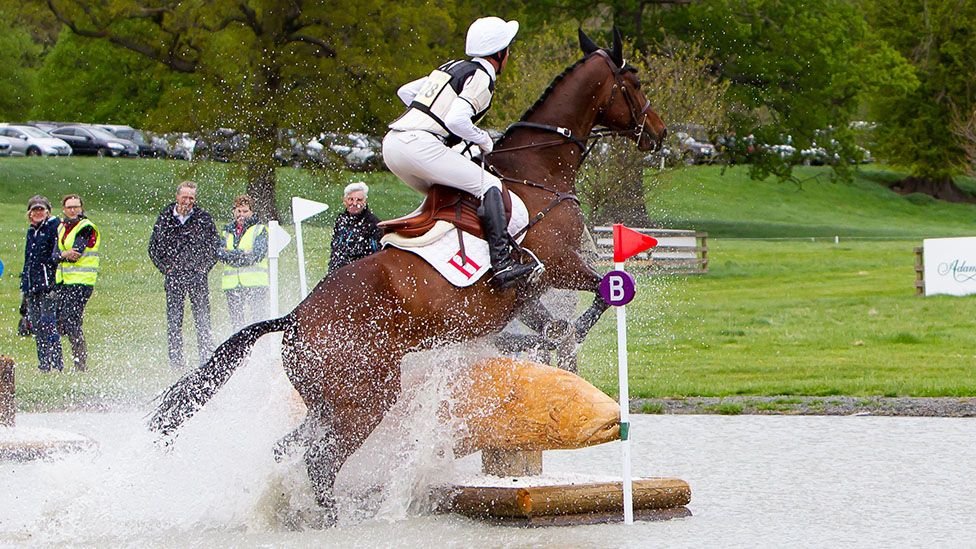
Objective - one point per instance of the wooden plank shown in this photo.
(572, 499)
(589, 518)
(8, 406)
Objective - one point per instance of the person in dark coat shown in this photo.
(356, 233)
(183, 246)
(37, 282)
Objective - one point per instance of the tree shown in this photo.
(799, 69)
(262, 66)
(678, 82)
(19, 58)
(82, 79)
(915, 129)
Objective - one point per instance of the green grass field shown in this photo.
(771, 317)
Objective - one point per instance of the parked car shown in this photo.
(694, 151)
(4, 146)
(48, 125)
(222, 145)
(146, 147)
(359, 151)
(30, 141)
(95, 141)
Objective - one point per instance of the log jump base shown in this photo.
(567, 504)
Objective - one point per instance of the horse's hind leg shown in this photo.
(321, 458)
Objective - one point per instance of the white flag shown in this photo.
(278, 239)
(302, 209)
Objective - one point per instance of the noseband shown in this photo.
(638, 117)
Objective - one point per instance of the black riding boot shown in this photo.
(492, 215)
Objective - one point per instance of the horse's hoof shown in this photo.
(556, 330)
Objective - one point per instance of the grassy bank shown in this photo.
(772, 317)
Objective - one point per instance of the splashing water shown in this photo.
(220, 475)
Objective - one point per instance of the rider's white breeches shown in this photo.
(422, 160)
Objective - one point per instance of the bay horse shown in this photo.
(342, 345)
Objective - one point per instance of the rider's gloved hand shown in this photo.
(486, 144)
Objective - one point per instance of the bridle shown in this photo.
(637, 116)
(585, 143)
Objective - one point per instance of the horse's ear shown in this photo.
(586, 44)
(617, 54)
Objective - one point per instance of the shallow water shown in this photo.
(756, 480)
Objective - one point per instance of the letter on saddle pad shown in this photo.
(460, 256)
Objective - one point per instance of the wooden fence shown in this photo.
(677, 251)
(919, 271)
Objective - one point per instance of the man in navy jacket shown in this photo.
(183, 246)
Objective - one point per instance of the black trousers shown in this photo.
(42, 310)
(254, 299)
(178, 288)
(72, 299)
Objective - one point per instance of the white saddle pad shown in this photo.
(440, 247)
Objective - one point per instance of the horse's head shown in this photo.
(626, 109)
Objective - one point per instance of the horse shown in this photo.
(342, 345)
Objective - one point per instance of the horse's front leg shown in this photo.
(577, 274)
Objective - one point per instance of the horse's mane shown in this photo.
(542, 98)
(552, 85)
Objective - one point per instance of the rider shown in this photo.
(443, 108)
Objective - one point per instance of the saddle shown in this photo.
(444, 204)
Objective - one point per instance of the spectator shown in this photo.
(245, 254)
(356, 232)
(78, 243)
(183, 246)
(37, 281)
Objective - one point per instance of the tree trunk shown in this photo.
(261, 183)
(942, 189)
(622, 202)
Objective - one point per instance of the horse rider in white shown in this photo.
(443, 109)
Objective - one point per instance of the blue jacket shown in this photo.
(41, 257)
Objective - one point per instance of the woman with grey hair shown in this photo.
(356, 233)
(37, 282)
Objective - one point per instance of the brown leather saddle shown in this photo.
(444, 204)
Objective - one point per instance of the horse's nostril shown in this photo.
(664, 133)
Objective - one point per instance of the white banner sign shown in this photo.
(949, 265)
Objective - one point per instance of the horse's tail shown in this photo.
(178, 403)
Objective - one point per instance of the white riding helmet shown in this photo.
(489, 35)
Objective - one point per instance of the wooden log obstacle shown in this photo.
(21, 443)
(512, 411)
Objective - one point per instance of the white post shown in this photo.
(624, 408)
(278, 238)
(302, 283)
(301, 210)
(273, 286)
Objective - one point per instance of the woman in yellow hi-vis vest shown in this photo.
(245, 254)
(78, 243)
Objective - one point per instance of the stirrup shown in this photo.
(537, 270)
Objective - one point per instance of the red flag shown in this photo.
(628, 242)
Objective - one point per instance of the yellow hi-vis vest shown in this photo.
(252, 275)
(85, 270)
